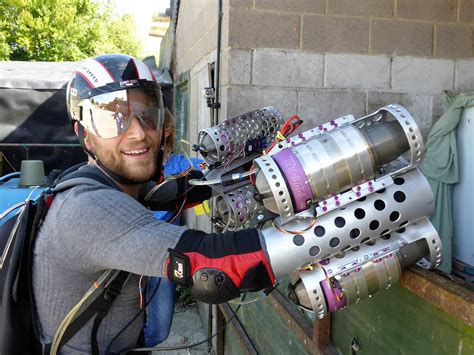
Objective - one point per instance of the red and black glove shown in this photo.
(217, 267)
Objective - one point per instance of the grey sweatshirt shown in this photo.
(88, 230)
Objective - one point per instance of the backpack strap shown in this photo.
(98, 308)
(89, 175)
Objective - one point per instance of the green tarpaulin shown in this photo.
(441, 168)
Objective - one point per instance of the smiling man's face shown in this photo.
(132, 154)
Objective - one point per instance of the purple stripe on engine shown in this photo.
(295, 177)
(329, 293)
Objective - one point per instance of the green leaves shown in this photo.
(63, 30)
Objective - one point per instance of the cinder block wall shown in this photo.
(322, 59)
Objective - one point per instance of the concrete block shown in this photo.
(236, 66)
(422, 75)
(335, 34)
(183, 65)
(203, 47)
(287, 69)
(225, 30)
(210, 15)
(223, 99)
(428, 10)
(242, 99)
(320, 106)
(464, 75)
(454, 41)
(236, 3)
(194, 9)
(252, 29)
(466, 13)
(346, 71)
(419, 106)
(298, 6)
(401, 38)
(196, 31)
(211, 36)
(364, 8)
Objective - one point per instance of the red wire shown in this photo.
(288, 128)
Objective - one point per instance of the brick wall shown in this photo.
(319, 87)
(322, 59)
(196, 32)
(429, 28)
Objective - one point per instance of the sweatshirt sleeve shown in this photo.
(100, 228)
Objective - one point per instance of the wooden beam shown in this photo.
(243, 339)
(316, 338)
(444, 294)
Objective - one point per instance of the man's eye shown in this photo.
(146, 116)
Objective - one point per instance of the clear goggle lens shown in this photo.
(110, 114)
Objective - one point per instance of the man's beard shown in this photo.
(139, 173)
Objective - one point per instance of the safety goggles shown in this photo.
(110, 114)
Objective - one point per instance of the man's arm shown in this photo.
(101, 228)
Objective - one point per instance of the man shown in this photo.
(89, 229)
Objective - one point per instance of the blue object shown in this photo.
(179, 163)
(160, 310)
(11, 194)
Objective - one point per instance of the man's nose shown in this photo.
(136, 130)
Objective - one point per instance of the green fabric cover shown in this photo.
(440, 166)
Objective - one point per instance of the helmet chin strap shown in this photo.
(157, 176)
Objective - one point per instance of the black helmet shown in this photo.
(101, 86)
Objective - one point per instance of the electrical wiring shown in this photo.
(98, 284)
(261, 296)
(140, 291)
(179, 212)
(107, 351)
(189, 346)
(198, 182)
(288, 128)
(329, 283)
(233, 177)
(294, 232)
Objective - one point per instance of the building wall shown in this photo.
(322, 59)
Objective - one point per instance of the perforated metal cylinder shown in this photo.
(246, 134)
(318, 165)
(239, 206)
(351, 276)
(407, 200)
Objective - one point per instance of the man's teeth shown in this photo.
(135, 152)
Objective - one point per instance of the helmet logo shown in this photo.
(73, 92)
(89, 73)
(128, 83)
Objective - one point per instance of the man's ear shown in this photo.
(87, 140)
(168, 131)
(76, 128)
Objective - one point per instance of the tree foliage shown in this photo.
(63, 30)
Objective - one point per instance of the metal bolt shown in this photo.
(355, 345)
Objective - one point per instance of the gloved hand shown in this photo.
(217, 267)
